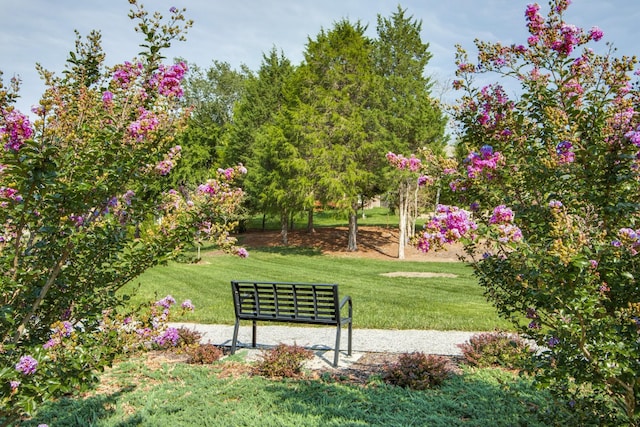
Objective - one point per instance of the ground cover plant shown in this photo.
(147, 393)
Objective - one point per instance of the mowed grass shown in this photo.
(379, 302)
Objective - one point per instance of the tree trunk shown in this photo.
(310, 228)
(353, 228)
(284, 227)
(402, 226)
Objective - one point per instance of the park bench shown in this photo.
(310, 303)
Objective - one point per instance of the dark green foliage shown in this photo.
(283, 361)
(496, 349)
(417, 371)
(205, 354)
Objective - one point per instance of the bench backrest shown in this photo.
(288, 302)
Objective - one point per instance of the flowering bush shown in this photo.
(84, 209)
(553, 182)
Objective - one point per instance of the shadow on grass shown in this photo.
(482, 398)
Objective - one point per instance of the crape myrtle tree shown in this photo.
(412, 120)
(339, 120)
(77, 220)
(551, 189)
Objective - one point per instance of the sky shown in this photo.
(241, 31)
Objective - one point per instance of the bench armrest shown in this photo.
(343, 302)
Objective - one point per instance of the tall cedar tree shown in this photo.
(339, 119)
(277, 179)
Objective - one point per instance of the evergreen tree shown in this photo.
(212, 94)
(339, 122)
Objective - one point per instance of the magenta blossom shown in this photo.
(16, 130)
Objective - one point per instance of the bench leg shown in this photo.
(337, 348)
(253, 332)
(235, 337)
(349, 338)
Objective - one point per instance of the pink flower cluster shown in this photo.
(493, 104)
(164, 166)
(16, 130)
(231, 173)
(9, 194)
(483, 162)
(168, 80)
(449, 225)
(502, 218)
(210, 187)
(127, 73)
(412, 164)
(146, 123)
(568, 36)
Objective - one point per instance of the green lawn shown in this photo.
(381, 217)
(177, 394)
(379, 302)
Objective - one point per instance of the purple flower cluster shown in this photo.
(188, 305)
(483, 162)
(210, 187)
(570, 38)
(449, 225)
(501, 214)
(628, 238)
(412, 164)
(564, 152)
(634, 136)
(424, 180)
(166, 302)
(16, 130)
(27, 365)
(59, 331)
(169, 337)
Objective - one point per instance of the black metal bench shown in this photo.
(311, 303)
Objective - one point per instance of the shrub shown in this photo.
(417, 371)
(188, 337)
(204, 354)
(496, 349)
(282, 361)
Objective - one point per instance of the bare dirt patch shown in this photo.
(425, 274)
(373, 242)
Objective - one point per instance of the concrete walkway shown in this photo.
(322, 340)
